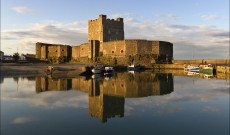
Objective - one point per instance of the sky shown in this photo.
(198, 29)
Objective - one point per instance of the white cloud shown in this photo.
(211, 109)
(210, 17)
(210, 38)
(169, 16)
(58, 33)
(207, 38)
(23, 10)
(24, 119)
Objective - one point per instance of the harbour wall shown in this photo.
(223, 69)
(203, 61)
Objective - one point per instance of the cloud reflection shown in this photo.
(24, 120)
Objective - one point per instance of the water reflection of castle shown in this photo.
(107, 97)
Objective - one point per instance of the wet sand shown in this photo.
(38, 69)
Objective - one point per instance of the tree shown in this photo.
(16, 56)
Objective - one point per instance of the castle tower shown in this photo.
(104, 30)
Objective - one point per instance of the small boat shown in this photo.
(96, 76)
(207, 69)
(192, 73)
(191, 68)
(208, 76)
(97, 69)
(209, 66)
(108, 70)
(133, 67)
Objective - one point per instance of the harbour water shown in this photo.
(125, 103)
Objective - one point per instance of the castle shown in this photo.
(106, 40)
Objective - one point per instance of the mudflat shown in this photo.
(9, 69)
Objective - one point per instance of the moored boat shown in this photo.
(209, 66)
(98, 69)
(190, 68)
(206, 69)
(208, 76)
(192, 73)
(133, 67)
(108, 70)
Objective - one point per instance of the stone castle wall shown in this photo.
(45, 51)
(113, 48)
(122, 48)
(84, 50)
(106, 39)
(75, 52)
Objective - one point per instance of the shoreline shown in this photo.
(73, 70)
(36, 69)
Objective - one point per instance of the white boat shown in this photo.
(108, 70)
(133, 67)
(96, 76)
(192, 73)
(207, 69)
(209, 66)
(96, 70)
(192, 68)
(208, 76)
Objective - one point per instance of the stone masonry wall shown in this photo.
(38, 50)
(155, 47)
(131, 47)
(45, 51)
(75, 52)
(144, 47)
(84, 50)
(166, 48)
(95, 29)
(53, 51)
(103, 29)
(114, 48)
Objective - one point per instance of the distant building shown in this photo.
(106, 39)
(30, 57)
(1, 56)
(22, 57)
(8, 57)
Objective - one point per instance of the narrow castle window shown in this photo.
(122, 51)
(112, 51)
(63, 50)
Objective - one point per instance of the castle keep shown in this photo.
(106, 42)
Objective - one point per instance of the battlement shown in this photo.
(104, 17)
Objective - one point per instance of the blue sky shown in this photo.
(197, 28)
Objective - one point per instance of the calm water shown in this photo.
(140, 103)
